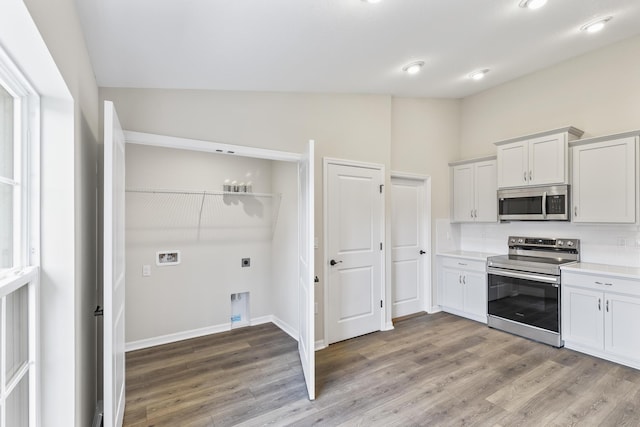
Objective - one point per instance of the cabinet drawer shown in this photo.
(464, 264)
(602, 283)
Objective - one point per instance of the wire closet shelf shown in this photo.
(201, 214)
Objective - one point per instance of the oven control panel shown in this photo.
(540, 242)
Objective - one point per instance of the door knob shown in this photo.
(334, 262)
(422, 252)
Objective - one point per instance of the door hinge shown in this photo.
(380, 303)
(380, 245)
(381, 185)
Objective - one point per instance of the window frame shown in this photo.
(26, 172)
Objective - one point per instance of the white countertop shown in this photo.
(478, 256)
(609, 270)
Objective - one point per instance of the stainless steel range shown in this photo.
(524, 287)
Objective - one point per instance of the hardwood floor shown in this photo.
(431, 370)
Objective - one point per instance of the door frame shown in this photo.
(427, 217)
(326, 161)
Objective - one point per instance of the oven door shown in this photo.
(528, 298)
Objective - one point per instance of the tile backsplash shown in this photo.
(604, 244)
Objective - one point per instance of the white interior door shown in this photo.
(354, 205)
(306, 338)
(114, 263)
(408, 245)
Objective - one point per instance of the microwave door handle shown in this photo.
(544, 204)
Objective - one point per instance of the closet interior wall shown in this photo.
(178, 205)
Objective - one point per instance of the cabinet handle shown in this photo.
(599, 304)
(471, 213)
(475, 213)
(461, 263)
(459, 278)
(575, 210)
(598, 283)
(525, 176)
(464, 282)
(607, 306)
(530, 176)
(608, 284)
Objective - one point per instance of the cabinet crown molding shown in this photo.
(572, 131)
(474, 160)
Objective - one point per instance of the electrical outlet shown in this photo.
(146, 270)
(246, 262)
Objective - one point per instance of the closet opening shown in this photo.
(214, 242)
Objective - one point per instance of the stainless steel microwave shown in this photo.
(545, 203)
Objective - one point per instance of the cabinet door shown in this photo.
(604, 183)
(582, 317)
(463, 193)
(475, 293)
(621, 320)
(452, 291)
(486, 198)
(548, 160)
(512, 165)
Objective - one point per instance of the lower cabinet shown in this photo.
(463, 287)
(600, 316)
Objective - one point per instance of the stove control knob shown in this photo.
(569, 243)
(520, 240)
(513, 240)
(560, 243)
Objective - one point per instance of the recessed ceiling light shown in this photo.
(595, 25)
(478, 75)
(413, 67)
(533, 4)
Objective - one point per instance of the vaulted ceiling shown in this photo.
(340, 46)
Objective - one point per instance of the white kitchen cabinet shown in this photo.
(538, 159)
(463, 287)
(604, 179)
(473, 190)
(600, 316)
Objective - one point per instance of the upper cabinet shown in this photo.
(538, 159)
(473, 190)
(604, 180)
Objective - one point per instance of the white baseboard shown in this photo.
(320, 345)
(290, 330)
(434, 309)
(175, 337)
(388, 326)
(200, 332)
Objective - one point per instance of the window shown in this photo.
(19, 237)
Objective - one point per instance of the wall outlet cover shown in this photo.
(246, 262)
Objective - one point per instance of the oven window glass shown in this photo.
(525, 301)
(521, 206)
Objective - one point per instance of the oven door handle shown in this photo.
(544, 205)
(552, 280)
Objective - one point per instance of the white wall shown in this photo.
(195, 294)
(598, 92)
(284, 248)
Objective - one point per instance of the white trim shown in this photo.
(409, 175)
(326, 161)
(208, 330)
(320, 345)
(165, 141)
(388, 326)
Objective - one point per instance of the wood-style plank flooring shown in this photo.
(432, 370)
